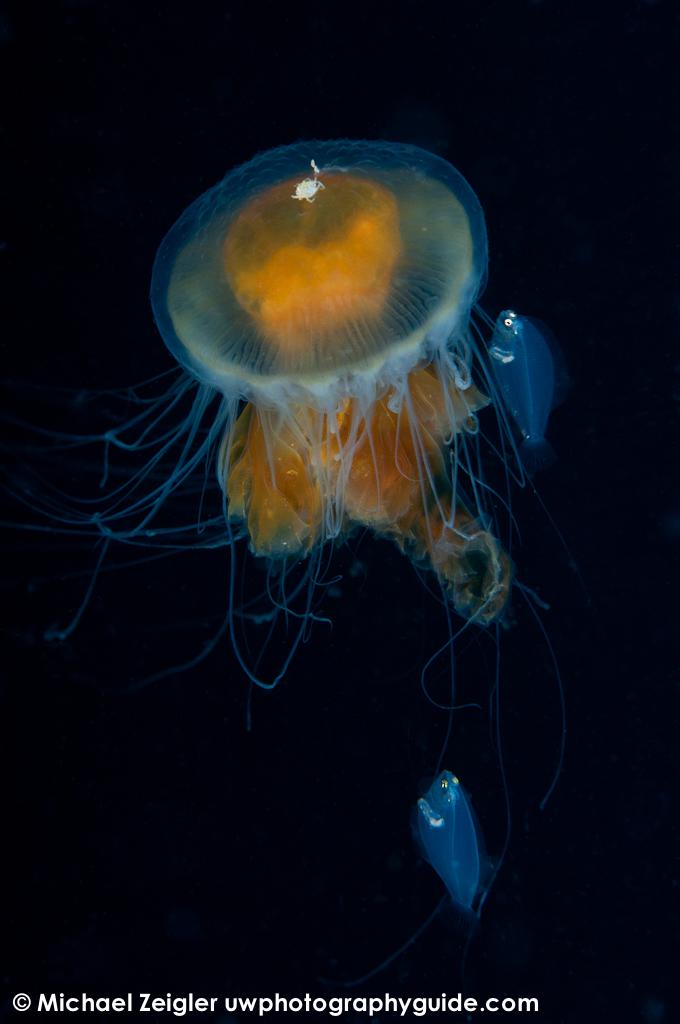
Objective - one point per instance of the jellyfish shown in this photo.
(335, 374)
(331, 312)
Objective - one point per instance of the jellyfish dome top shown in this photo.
(325, 290)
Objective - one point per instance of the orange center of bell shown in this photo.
(306, 271)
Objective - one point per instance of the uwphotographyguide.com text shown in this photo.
(262, 1006)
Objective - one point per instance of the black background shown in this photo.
(157, 844)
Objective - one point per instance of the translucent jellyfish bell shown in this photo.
(257, 288)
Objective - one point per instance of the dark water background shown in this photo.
(155, 843)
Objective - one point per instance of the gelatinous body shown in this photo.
(337, 330)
